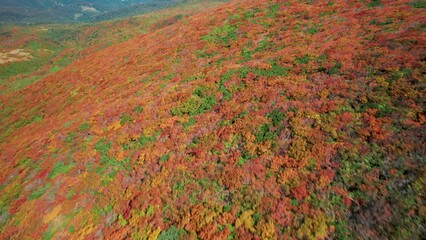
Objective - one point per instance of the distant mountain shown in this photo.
(64, 11)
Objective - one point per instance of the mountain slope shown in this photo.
(259, 119)
(49, 11)
(50, 47)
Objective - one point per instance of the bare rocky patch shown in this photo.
(15, 55)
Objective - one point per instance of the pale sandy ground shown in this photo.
(15, 55)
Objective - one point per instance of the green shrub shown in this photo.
(264, 133)
(70, 137)
(54, 69)
(273, 10)
(37, 193)
(227, 208)
(190, 122)
(172, 233)
(200, 102)
(222, 35)
(246, 54)
(374, 3)
(335, 69)
(419, 4)
(312, 30)
(121, 220)
(164, 158)
(138, 109)
(150, 210)
(274, 71)
(124, 118)
(263, 45)
(143, 140)
(303, 60)
(21, 83)
(276, 116)
(249, 14)
(24, 122)
(102, 146)
(60, 168)
(83, 127)
(48, 234)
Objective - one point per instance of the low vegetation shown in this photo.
(250, 120)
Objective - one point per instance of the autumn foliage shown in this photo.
(254, 120)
